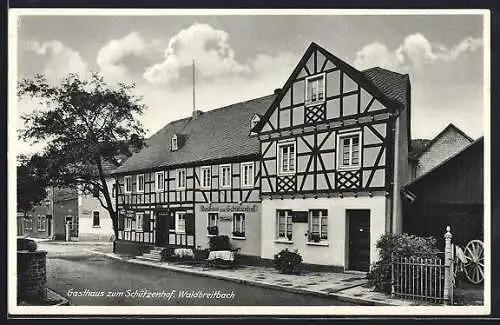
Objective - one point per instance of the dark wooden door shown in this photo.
(162, 221)
(359, 239)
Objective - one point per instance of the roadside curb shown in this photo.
(335, 295)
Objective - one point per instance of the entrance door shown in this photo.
(161, 235)
(359, 240)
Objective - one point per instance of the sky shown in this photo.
(247, 56)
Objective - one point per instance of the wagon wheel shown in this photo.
(474, 268)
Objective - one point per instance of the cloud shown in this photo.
(414, 53)
(61, 60)
(208, 46)
(111, 56)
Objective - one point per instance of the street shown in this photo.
(89, 279)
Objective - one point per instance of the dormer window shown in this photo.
(174, 145)
(254, 121)
(315, 89)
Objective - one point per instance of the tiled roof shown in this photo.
(224, 132)
(417, 145)
(213, 135)
(391, 84)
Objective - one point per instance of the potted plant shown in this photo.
(314, 238)
(213, 230)
(289, 236)
(238, 234)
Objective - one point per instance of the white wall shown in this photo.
(87, 204)
(335, 253)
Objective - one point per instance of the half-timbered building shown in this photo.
(318, 167)
(197, 177)
(334, 153)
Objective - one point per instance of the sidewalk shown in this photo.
(342, 286)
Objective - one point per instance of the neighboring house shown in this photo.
(450, 194)
(426, 154)
(94, 220)
(48, 219)
(318, 167)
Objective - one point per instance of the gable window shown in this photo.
(349, 145)
(247, 174)
(96, 222)
(140, 183)
(284, 225)
(128, 184)
(318, 225)
(206, 180)
(180, 179)
(174, 145)
(238, 225)
(225, 176)
(159, 181)
(315, 89)
(139, 218)
(286, 158)
(180, 221)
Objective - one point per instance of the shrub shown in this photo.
(25, 244)
(201, 254)
(220, 243)
(166, 253)
(288, 262)
(214, 230)
(397, 245)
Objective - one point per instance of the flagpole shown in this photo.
(194, 102)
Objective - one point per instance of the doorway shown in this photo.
(358, 240)
(161, 231)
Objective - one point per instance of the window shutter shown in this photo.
(121, 221)
(189, 223)
(145, 222)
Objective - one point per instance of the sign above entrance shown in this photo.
(300, 216)
(229, 207)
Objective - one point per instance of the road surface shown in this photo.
(89, 279)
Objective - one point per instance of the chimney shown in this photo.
(277, 91)
(196, 113)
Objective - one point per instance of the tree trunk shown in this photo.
(112, 213)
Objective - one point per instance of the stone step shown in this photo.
(156, 257)
(146, 258)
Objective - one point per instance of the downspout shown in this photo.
(394, 205)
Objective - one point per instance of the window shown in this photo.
(41, 223)
(95, 219)
(28, 223)
(286, 158)
(180, 222)
(284, 225)
(139, 217)
(113, 190)
(315, 89)
(180, 179)
(174, 143)
(246, 174)
(349, 150)
(213, 219)
(205, 177)
(128, 223)
(254, 121)
(318, 225)
(140, 183)
(239, 225)
(225, 176)
(159, 181)
(128, 184)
